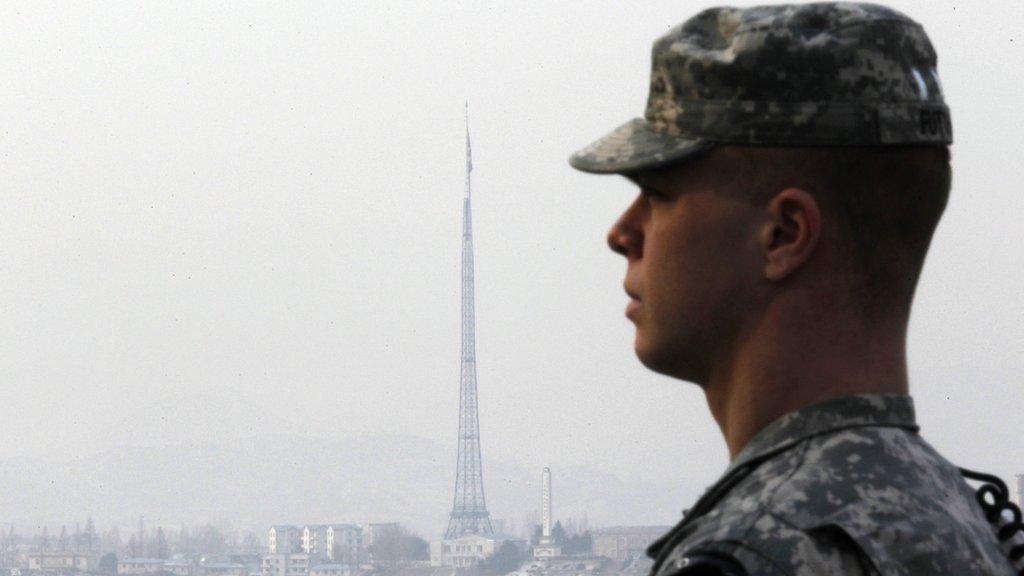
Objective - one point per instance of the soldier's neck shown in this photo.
(780, 367)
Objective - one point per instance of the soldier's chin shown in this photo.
(649, 354)
(666, 360)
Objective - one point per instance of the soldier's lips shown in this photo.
(632, 308)
(634, 301)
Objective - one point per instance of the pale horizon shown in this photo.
(245, 224)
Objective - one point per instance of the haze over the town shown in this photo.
(230, 252)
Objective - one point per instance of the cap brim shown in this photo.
(634, 146)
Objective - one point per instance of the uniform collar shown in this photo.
(892, 410)
(861, 410)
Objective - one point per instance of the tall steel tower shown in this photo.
(469, 512)
(545, 506)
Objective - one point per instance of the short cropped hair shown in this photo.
(887, 202)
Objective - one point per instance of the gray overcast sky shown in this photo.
(227, 221)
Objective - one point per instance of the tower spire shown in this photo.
(469, 152)
(469, 512)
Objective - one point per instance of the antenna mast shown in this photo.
(469, 512)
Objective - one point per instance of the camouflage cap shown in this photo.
(788, 75)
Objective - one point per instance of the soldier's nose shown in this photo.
(625, 236)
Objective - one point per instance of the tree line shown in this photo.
(158, 542)
(571, 543)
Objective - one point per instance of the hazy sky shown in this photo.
(223, 221)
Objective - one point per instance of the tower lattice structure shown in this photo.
(469, 512)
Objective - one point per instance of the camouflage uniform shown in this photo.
(847, 486)
(842, 487)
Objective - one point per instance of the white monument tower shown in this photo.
(546, 548)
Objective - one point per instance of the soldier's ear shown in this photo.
(790, 233)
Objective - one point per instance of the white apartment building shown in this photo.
(301, 550)
(285, 539)
(314, 539)
(344, 543)
(339, 543)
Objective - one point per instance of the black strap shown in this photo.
(661, 548)
(993, 487)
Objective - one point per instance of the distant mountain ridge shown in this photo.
(256, 482)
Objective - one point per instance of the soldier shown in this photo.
(793, 164)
